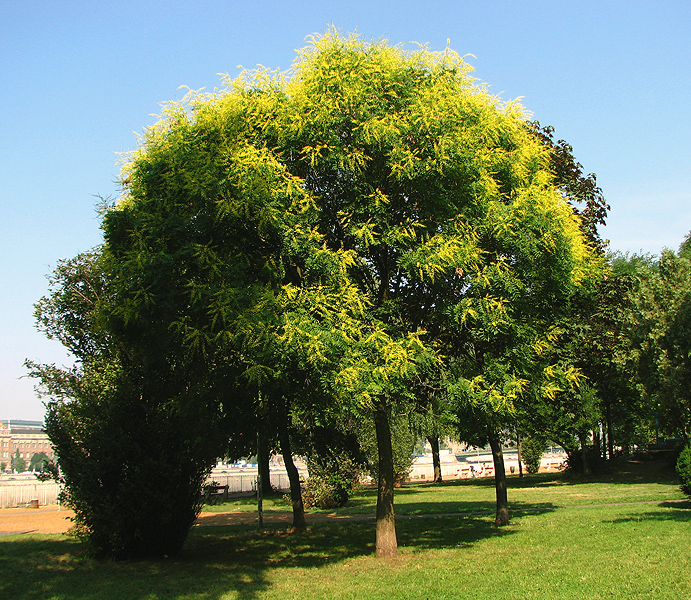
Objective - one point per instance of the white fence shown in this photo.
(247, 480)
(46, 492)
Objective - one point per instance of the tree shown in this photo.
(580, 190)
(18, 463)
(325, 238)
(38, 461)
(215, 259)
(659, 328)
(440, 191)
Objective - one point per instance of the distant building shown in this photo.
(24, 437)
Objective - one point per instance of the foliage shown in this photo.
(580, 190)
(334, 458)
(659, 329)
(532, 449)
(133, 447)
(684, 469)
(18, 463)
(331, 482)
(39, 461)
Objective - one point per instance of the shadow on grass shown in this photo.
(216, 560)
(673, 511)
(512, 481)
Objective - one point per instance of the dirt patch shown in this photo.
(46, 519)
(50, 519)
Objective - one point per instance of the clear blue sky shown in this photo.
(77, 79)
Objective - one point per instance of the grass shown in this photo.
(588, 540)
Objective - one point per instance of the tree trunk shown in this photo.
(263, 460)
(299, 523)
(502, 517)
(610, 436)
(587, 471)
(386, 543)
(520, 458)
(434, 442)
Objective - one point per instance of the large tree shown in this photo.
(333, 232)
(444, 195)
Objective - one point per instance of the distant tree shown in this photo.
(18, 463)
(659, 327)
(38, 461)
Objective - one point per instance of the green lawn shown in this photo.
(587, 540)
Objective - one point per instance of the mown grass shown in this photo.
(586, 541)
(544, 490)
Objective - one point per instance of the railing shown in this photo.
(247, 481)
(46, 492)
(13, 495)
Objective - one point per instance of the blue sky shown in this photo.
(78, 79)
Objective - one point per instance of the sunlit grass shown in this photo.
(585, 544)
(545, 490)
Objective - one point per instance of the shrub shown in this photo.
(132, 467)
(331, 483)
(532, 449)
(684, 470)
(574, 461)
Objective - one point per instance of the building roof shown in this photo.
(15, 424)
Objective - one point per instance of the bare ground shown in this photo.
(51, 519)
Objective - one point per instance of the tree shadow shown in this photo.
(56, 567)
(216, 560)
(674, 511)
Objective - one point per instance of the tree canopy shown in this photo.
(328, 235)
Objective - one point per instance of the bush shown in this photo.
(684, 470)
(331, 483)
(133, 468)
(532, 449)
(574, 461)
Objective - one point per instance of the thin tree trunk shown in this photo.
(610, 436)
(299, 523)
(386, 543)
(502, 517)
(587, 472)
(263, 460)
(434, 442)
(520, 458)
